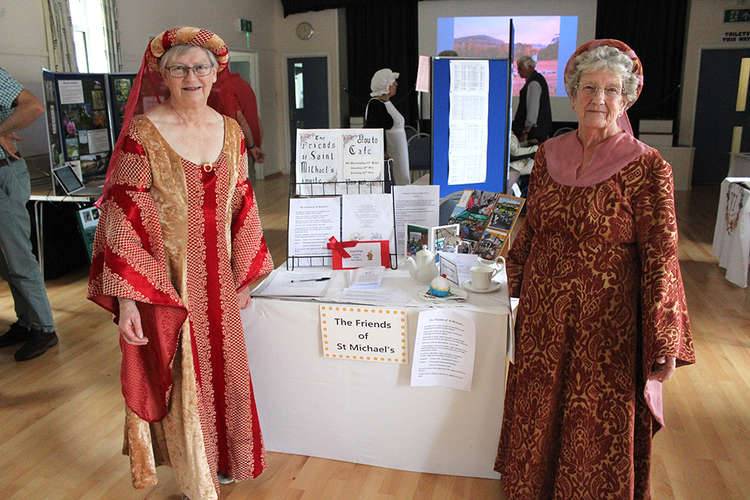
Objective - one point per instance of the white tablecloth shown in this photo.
(731, 243)
(366, 412)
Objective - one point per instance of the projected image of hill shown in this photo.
(550, 40)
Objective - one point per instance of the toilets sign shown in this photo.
(364, 333)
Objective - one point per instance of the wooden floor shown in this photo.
(61, 415)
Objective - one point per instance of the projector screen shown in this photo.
(550, 40)
(432, 13)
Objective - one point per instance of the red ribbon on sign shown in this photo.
(338, 247)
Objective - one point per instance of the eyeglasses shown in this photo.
(182, 71)
(591, 91)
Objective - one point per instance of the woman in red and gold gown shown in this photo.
(178, 242)
(602, 319)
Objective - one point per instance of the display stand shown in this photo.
(336, 189)
(84, 113)
(498, 123)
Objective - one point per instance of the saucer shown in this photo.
(494, 286)
(456, 294)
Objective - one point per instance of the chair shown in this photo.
(410, 132)
(562, 130)
(420, 162)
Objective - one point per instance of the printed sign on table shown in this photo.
(364, 333)
(337, 155)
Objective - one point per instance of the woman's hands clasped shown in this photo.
(130, 323)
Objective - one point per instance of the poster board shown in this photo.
(498, 122)
(78, 123)
(119, 85)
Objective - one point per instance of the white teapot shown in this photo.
(422, 266)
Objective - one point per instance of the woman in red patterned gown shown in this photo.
(602, 320)
(178, 242)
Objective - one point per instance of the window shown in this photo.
(89, 36)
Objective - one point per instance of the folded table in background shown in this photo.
(731, 243)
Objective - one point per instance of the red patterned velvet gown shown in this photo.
(180, 239)
(601, 297)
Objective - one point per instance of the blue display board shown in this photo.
(498, 126)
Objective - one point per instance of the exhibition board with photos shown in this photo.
(84, 113)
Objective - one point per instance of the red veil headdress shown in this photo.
(149, 89)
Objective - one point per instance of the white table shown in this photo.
(731, 243)
(366, 412)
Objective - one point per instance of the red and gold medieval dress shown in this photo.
(601, 297)
(180, 239)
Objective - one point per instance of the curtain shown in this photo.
(112, 28)
(383, 35)
(58, 28)
(656, 32)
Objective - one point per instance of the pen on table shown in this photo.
(311, 279)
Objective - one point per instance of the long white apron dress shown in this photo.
(396, 146)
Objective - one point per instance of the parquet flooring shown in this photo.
(61, 415)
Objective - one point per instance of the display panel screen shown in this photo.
(550, 40)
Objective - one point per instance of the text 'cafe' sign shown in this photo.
(364, 333)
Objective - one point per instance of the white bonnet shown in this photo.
(381, 81)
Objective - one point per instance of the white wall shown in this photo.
(324, 42)
(705, 29)
(584, 9)
(23, 51)
(271, 38)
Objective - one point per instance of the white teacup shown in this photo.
(481, 276)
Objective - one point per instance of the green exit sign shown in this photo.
(737, 16)
(246, 25)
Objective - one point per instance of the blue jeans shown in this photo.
(17, 263)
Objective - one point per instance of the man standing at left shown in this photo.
(34, 327)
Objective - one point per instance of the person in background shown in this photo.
(521, 163)
(602, 320)
(178, 243)
(34, 328)
(381, 113)
(533, 118)
(232, 96)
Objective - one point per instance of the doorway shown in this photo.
(307, 84)
(245, 64)
(722, 114)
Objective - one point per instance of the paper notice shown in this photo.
(312, 221)
(423, 74)
(444, 350)
(71, 91)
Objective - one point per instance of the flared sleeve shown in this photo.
(251, 258)
(665, 324)
(129, 261)
(521, 246)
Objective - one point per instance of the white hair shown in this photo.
(177, 50)
(527, 62)
(607, 58)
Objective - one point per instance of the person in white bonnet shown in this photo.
(381, 113)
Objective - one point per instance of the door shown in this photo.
(307, 81)
(722, 114)
(245, 64)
